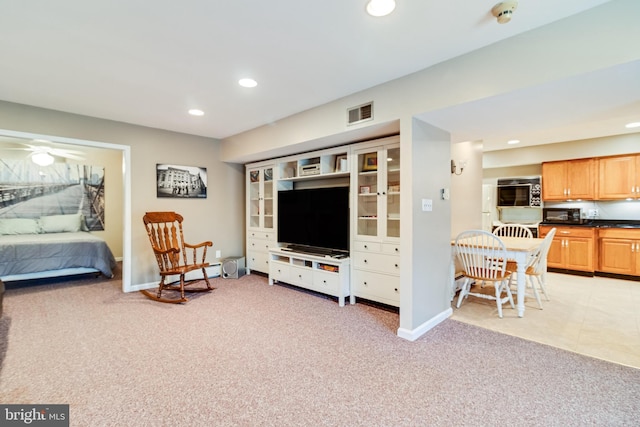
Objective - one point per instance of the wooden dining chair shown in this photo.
(175, 257)
(513, 230)
(536, 269)
(483, 259)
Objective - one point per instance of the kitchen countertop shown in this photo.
(600, 223)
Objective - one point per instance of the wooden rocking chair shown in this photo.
(174, 256)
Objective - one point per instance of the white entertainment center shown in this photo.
(323, 274)
(371, 269)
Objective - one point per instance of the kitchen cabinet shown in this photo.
(619, 251)
(619, 177)
(569, 180)
(572, 248)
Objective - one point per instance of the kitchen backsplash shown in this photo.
(628, 209)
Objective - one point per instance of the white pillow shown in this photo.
(60, 223)
(18, 226)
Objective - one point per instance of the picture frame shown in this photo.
(370, 162)
(365, 189)
(184, 182)
(341, 163)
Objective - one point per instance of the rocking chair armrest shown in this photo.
(159, 251)
(199, 245)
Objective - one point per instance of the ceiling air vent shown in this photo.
(361, 113)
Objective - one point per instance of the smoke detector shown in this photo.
(503, 11)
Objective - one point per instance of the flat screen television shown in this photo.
(315, 219)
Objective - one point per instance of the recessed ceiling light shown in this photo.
(632, 125)
(247, 83)
(513, 141)
(380, 7)
(196, 112)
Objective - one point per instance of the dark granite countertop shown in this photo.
(601, 223)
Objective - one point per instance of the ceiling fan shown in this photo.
(44, 154)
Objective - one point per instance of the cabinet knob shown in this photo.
(366, 284)
(366, 247)
(395, 289)
(365, 261)
(396, 265)
(397, 250)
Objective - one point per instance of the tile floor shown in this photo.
(594, 316)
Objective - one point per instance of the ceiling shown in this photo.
(147, 65)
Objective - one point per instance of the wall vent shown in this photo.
(359, 114)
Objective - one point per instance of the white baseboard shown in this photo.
(416, 333)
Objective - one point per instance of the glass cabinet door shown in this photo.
(267, 199)
(367, 194)
(393, 192)
(261, 198)
(254, 198)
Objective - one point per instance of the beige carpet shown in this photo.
(249, 354)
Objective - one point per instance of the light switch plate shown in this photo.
(427, 205)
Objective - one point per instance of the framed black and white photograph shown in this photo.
(177, 181)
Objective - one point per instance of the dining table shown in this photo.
(518, 249)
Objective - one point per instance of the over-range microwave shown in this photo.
(562, 215)
(525, 192)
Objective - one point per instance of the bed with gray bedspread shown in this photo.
(34, 253)
(51, 246)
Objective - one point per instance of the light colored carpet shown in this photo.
(250, 354)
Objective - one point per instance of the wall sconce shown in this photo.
(454, 168)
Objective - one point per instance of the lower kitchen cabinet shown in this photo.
(573, 248)
(619, 251)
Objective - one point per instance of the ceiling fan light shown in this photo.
(380, 7)
(42, 159)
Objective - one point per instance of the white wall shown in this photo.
(466, 188)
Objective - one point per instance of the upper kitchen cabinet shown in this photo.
(569, 180)
(619, 177)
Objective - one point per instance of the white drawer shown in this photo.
(326, 282)
(376, 287)
(383, 263)
(366, 247)
(391, 248)
(258, 245)
(279, 271)
(258, 261)
(301, 275)
(261, 235)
